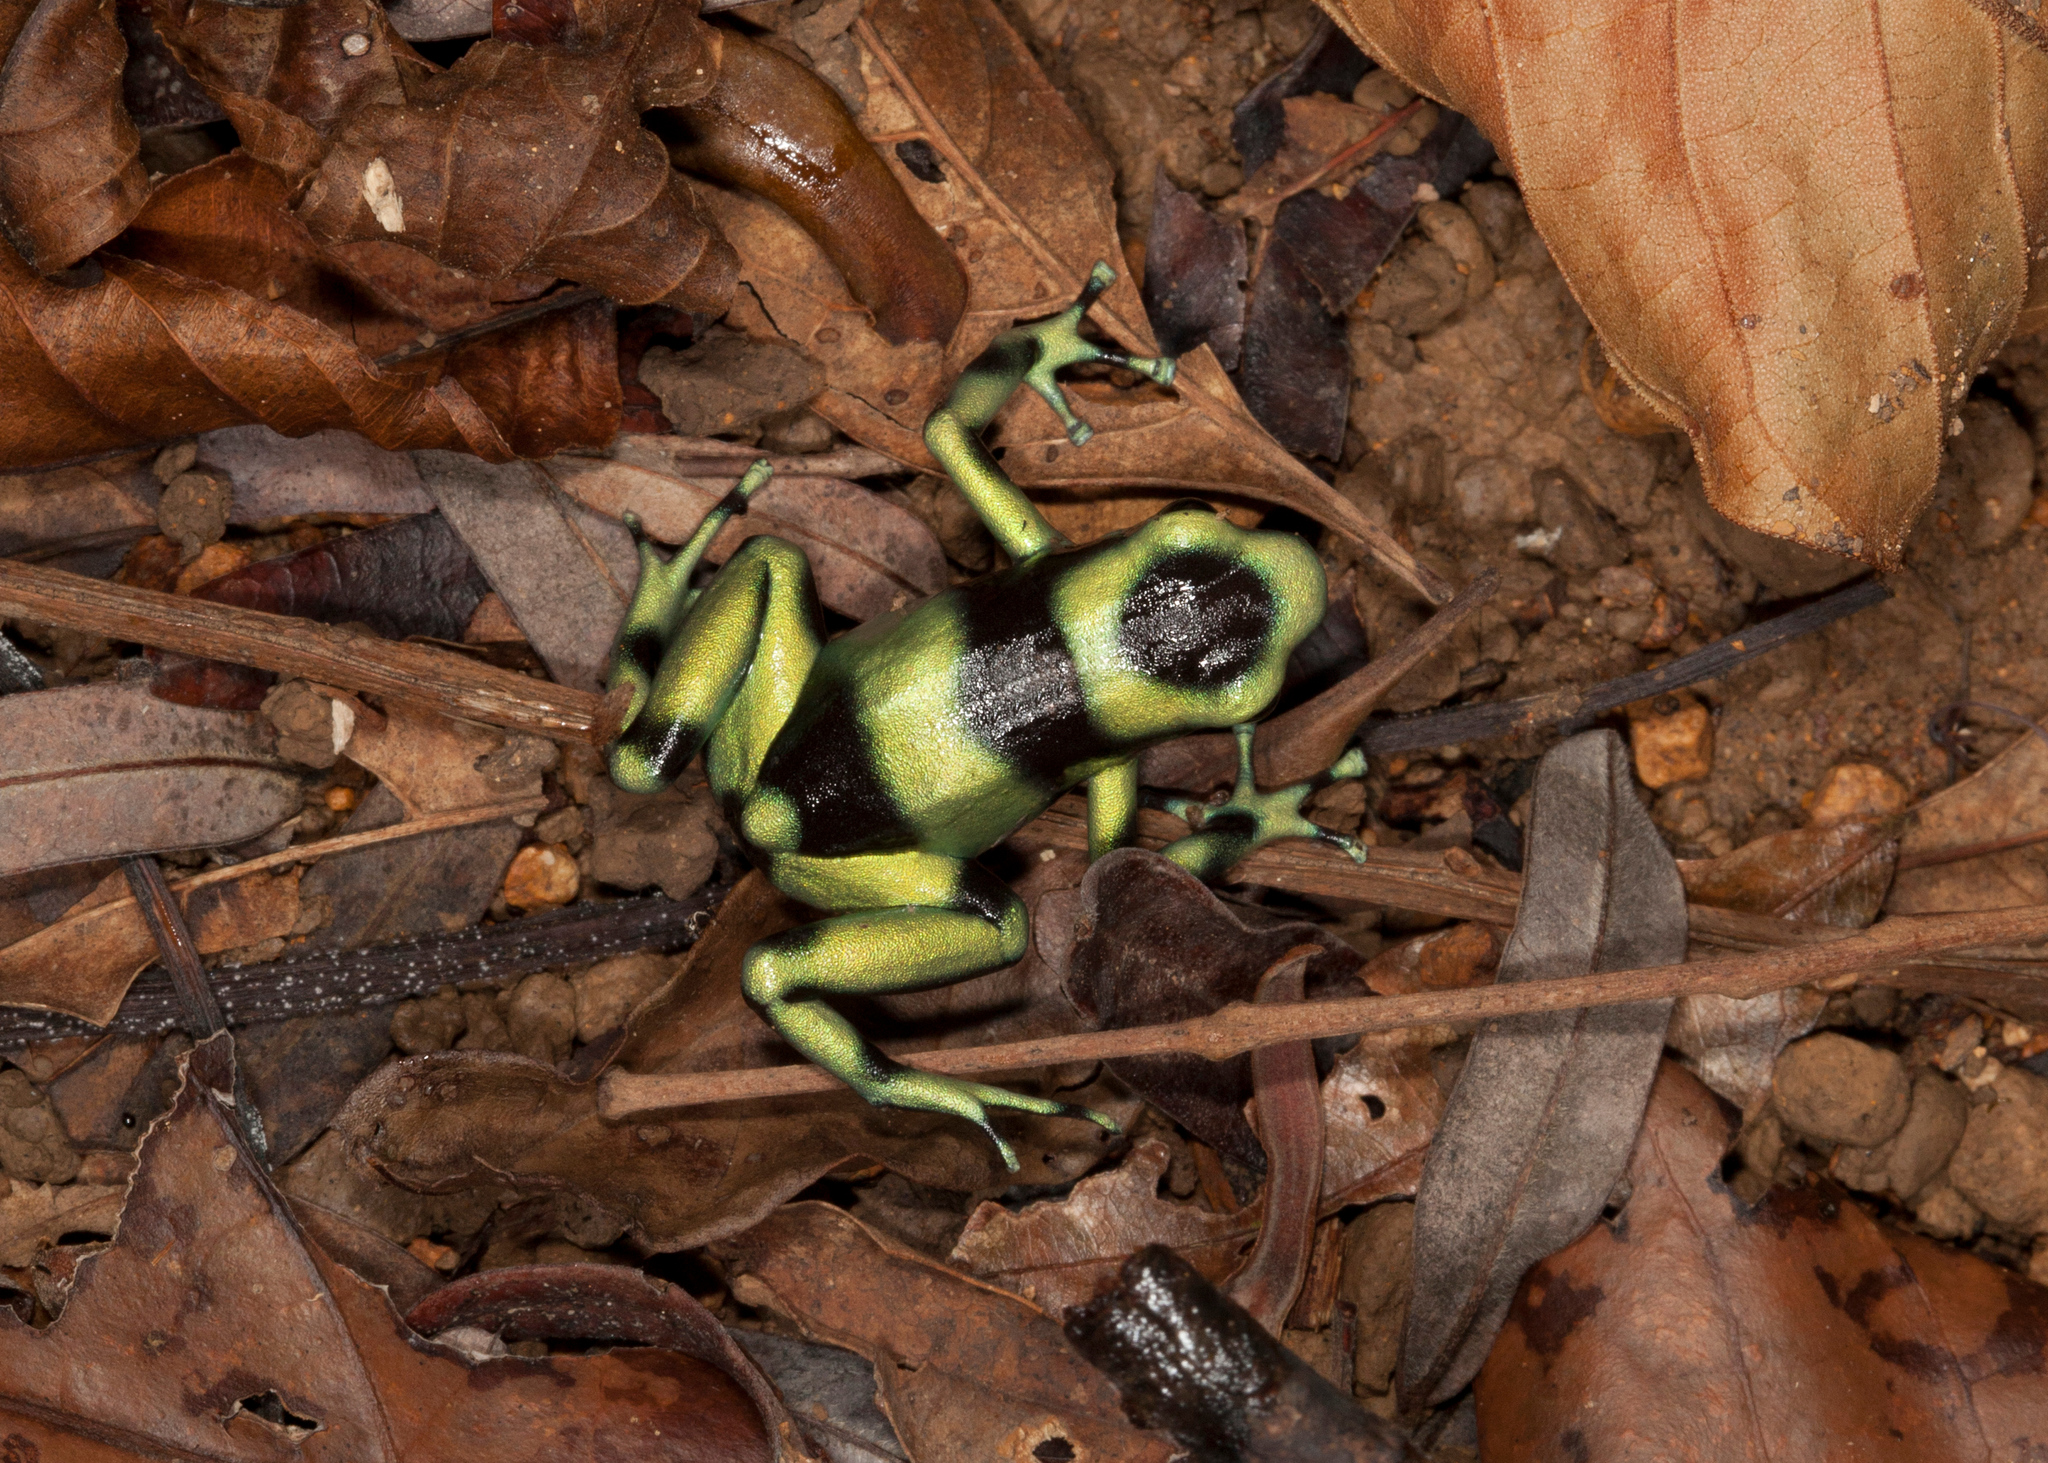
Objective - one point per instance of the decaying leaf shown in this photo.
(107, 769)
(1025, 201)
(965, 1370)
(99, 504)
(1540, 1124)
(290, 1353)
(565, 573)
(1836, 873)
(1194, 275)
(1799, 242)
(324, 472)
(70, 178)
(413, 577)
(1059, 1253)
(1979, 844)
(1704, 1328)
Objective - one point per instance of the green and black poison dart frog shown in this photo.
(864, 774)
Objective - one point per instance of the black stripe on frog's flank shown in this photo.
(824, 763)
(1197, 620)
(1017, 687)
(644, 648)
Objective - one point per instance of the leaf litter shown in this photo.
(427, 936)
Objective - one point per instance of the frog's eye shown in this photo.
(1188, 505)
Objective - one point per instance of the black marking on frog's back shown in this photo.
(1017, 685)
(644, 648)
(824, 763)
(1197, 620)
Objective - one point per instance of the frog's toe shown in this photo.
(1338, 840)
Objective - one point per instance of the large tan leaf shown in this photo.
(1799, 240)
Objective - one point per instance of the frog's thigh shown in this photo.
(919, 920)
(730, 673)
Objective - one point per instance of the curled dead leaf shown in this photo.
(1799, 242)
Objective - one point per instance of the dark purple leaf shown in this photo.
(1194, 276)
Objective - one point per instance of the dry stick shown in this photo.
(1239, 1028)
(306, 853)
(439, 679)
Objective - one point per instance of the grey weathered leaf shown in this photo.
(103, 770)
(564, 572)
(334, 471)
(1546, 1110)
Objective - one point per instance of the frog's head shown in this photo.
(1197, 619)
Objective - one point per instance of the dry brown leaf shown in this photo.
(36, 1216)
(430, 762)
(964, 1370)
(1703, 1329)
(1800, 242)
(110, 502)
(219, 308)
(209, 1306)
(1026, 204)
(524, 158)
(70, 178)
(2003, 803)
(83, 963)
(1061, 1252)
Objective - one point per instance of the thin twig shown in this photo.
(1238, 1028)
(330, 654)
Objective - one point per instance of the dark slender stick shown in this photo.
(188, 977)
(327, 981)
(1574, 710)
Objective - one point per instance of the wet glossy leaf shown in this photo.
(1706, 1329)
(1863, 194)
(1540, 1124)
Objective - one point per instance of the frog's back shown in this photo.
(947, 726)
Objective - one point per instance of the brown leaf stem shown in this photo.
(1290, 1109)
(439, 679)
(1887, 947)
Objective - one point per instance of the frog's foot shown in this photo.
(1249, 819)
(1060, 343)
(919, 1091)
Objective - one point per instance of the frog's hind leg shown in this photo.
(951, 920)
(730, 668)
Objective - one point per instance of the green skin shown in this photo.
(865, 774)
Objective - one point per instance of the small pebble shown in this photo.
(608, 991)
(341, 799)
(1673, 740)
(1856, 790)
(2001, 1166)
(1840, 1090)
(542, 876)
(541, 1018)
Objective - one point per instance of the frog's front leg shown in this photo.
(1028, 355)
(722, 664)
(951, 919)
(1250, 819)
